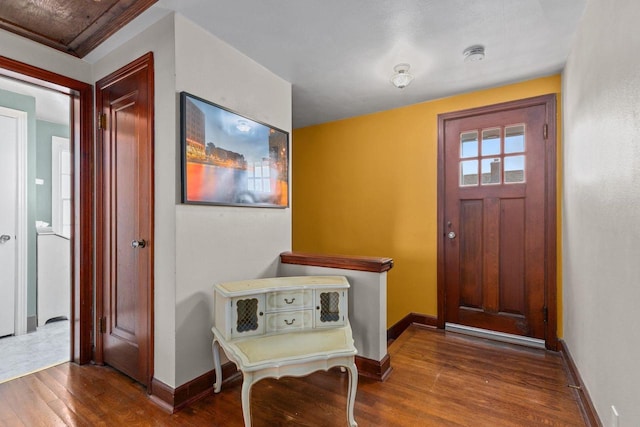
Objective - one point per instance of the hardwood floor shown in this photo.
(438, 379)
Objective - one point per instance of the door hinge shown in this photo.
(545, 312)
(102, 325)
(102, 121)
(545, 131)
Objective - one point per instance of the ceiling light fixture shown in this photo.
(402, 77)
(243, 126)
(473, 53)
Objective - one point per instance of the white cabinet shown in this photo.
(54, 279)
(284, 326)
(277, 305)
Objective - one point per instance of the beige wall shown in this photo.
(38, 55)
(197, 246)
(601, 92)
(216, 243)
(159, 38)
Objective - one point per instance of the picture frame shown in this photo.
(230, 159)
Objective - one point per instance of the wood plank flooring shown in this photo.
(438, 379)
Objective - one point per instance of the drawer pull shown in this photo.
(289, 302)
(289, 323)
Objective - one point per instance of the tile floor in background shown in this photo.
(21, 355)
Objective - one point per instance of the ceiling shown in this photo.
(72, 26)
(339, 54)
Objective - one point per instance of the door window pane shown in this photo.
(66, 216)
(514, 139)
(61, 186)
(65, 187)
(468, 172)
(65, 162)
(469, 144)
(514, 169)
(490, 142)
(491, 171)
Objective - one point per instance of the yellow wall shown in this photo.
(368, 186)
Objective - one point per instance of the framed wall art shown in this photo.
(230, 159)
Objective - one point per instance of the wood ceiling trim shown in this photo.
(123, 12)
(80, 44)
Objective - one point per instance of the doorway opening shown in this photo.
(36, 225)
(72, 222)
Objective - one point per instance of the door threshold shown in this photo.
(494, 335)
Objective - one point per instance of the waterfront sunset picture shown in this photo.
(229, 159)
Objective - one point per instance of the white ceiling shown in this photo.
(339, 54)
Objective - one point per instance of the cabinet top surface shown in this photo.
(246, 287)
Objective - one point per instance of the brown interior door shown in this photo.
(126, 221)
(494, 230)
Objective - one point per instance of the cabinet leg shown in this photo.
(351, 397)
(247, 382)
(215, 347)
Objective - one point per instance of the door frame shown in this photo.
(82, 204)
(21, 254)
(550, 274)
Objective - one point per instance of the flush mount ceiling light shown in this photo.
(402, 77)
(473, 53)
(243, 126)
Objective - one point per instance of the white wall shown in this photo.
(601, 217)
(32, 53)
(159, 38)
(214, 243)
(367, 305)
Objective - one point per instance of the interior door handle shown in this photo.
(451, 235)
(138, 244)
(5, 238)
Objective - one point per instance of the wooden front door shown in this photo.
(497, 218)
(125, 221)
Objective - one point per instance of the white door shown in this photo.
(8, 208)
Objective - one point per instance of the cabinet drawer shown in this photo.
(289, 320)
(287, 300)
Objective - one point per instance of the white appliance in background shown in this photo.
(54, 279)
